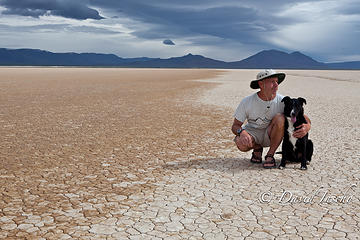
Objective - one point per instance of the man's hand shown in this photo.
(245, 139)
(302, 130)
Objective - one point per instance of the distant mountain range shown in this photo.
(264, 59)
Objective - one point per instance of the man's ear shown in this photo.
(261, 83)
(286, 99)
(302, 100)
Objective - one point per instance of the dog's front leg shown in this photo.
(303, 155)
(282, 163)
(284, 157)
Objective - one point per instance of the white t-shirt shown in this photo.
(258, 112)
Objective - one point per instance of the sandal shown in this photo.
(254, 158)
(271, 164)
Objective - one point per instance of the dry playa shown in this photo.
(148, 154)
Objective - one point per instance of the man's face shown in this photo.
(270, 85)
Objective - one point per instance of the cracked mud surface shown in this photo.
(133, 154)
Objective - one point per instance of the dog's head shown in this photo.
(293, 107)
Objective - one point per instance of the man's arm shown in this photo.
(236, 125)
(245, 139)
(304, 129)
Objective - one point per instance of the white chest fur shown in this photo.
(290, 130)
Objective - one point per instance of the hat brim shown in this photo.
(255, 83)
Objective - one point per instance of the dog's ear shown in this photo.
(285, 99)
(302, 100)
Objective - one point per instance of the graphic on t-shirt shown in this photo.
(260, 121)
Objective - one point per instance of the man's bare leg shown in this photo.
(257, 153)
(276, 133)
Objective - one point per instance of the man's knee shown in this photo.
(279, 120)
(240, 146)
(277, 125)
(243, 148)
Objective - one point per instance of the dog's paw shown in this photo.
(308, 162)
(281, 167)
(303, 167)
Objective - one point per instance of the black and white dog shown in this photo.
(295, 149)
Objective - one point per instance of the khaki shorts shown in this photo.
(261, 136)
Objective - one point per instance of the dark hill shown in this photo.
(278, 59)
(187, 61)
(35, 57)
(264, 59)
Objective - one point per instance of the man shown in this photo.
(265, 120)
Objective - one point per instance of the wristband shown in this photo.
(238, 132)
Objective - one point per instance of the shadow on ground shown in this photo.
(231, 165)
(215, 164)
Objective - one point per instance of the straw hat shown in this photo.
(266, 74)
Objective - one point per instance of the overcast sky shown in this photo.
(226, 30)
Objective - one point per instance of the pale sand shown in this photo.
(145, 153)
(332, 104)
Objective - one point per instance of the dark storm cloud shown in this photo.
(241, 21)
(237, 20)
(66, 8)
(168, 42)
